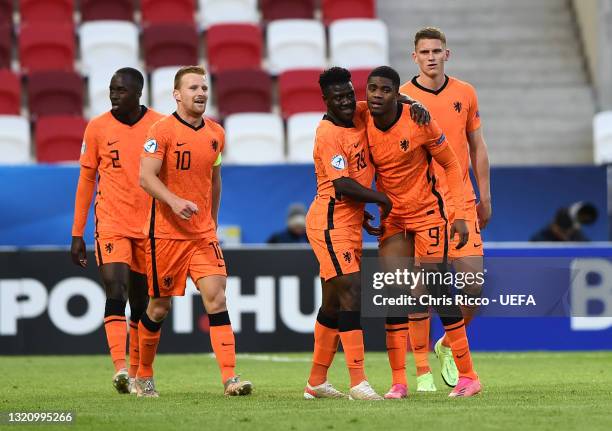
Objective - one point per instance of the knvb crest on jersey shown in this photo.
(215, 145)
(108, 247)
(347, 256)
(404, 145)
(167, 281)
(458, 106)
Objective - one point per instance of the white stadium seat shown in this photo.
(295, 44)
(301, 130)
(228, 11)
(97, 90)
(359, 43)
(108, 44)
(254, 139)
(602, 131)
(15, 140)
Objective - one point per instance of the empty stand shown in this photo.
(342, 9)
(295, 44)
(95, 10)
(6, 44)
(166, 11)
(602, 131)
(359, 78)
(109, 45)
(254, 139)
(300, 92)
(98, 91)
(234, 46)
(359, 43)
(46, 10)
(59, 138)
(6, 12)
(46, 46)
(10, 93)
(243, 91)
(168, 44)
(301, 130)
(14, 139)
(228, 11)
(55, 92)
(162, 85)
(287, 9)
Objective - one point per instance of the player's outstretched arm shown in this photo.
(216, 193)
(349, 187)
(82, 202)
(150, 182)
(479, 157)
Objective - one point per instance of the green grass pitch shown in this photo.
(522, 391)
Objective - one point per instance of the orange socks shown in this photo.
(134, 349)
(461, 349)
(351, 334)
(397, 344)
(468, 315)
(116, 331)
(326, 340)
(148, 340)
(419, 340)
(223, 343)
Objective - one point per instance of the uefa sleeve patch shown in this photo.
(83, 148)
(150, 146)
(338, 162)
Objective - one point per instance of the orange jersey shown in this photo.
(455, 107)
(402, 158)
(339, 152)
(188, 154)
(113, 149)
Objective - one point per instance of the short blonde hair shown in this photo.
(199, 70)
(430, 33)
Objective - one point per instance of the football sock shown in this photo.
(134, 350)
(326, 340)
(351, 334)
(148, 340)
(419, 340)
(460, 347)
(223, 343)
(116, 331)
(396, 329)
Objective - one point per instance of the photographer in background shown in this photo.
(568, 222)
(296, 227)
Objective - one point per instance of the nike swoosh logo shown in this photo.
(358, 360)
(419, 347)
(149, 345)
(477, 245)
(224, 344)
(112, 143)
(429, 254)
(180, 144)
(392, 348)
(356, 145)
(461, 356)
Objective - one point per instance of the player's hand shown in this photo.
(78, 253)
(419, 114)
(372, 230)
(460, 227)
(184, 208)
(385, 205)
(484, 211)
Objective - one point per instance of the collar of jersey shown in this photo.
(178, 117)
(429, 90)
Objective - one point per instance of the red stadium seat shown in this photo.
(359, 78)
(46, 46)
(59, 138)
(170, 44)
(341, 9)
(243, 91)
(234, 46)
(164, 11)
(299, 92)
(10, 93)
(287, 9)
(55, 93)
(6, 44)
(95, 10)
(6, 12)
(46, 10)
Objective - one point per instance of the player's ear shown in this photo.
(414, 56)
(177, 95)
(447, 54)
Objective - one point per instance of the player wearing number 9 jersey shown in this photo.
(181, 170)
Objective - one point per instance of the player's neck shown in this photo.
(433, 83)
(385, 121)
(191, 118)
(130, 118)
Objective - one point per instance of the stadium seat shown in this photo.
(166, 11)
(162, 85)
(14, 139)
(228, 11)
(10, 93)
(234, 46)
(46, 46)
(98, 93)
(59, 138)
(6, 45)
(254, 139)
(6, 12)
(301, 130)
(55, 93)
(299, 92)
(46, 11)
(287, 9)
(169, 44)
(602, 131)
(96, 10)
(359, 78)
(358, 43)
(342, 9)
(109, 45)
(295, 44)
(243, 91)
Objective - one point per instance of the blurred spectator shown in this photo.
(296, 227)
(568, 222)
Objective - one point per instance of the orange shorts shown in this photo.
(430, 240)
(337, 250)
(112, 248)
(474, 244)
(170, 261)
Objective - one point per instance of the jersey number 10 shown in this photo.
(183, 160)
